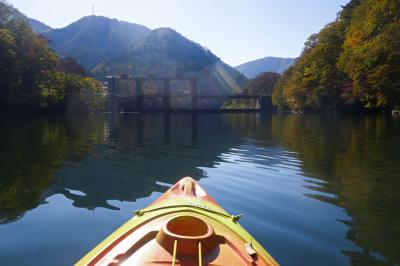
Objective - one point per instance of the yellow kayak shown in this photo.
(185, 226)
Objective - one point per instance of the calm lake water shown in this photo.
(314, 190)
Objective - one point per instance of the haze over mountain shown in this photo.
(165, 52)
(267, 64)
(36, 25)
(39, 27)
(107, 46)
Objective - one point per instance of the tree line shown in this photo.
(34, 77)
(352, 63)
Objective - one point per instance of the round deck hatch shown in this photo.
(188, 231)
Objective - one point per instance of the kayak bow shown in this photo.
(185, 226)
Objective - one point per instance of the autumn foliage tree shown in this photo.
(352, 61)
(371, 52)
(32, 76)
(262, 84)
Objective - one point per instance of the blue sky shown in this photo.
(235, 30)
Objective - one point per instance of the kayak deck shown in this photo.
(185, 226)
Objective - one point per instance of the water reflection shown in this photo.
(46, 156)
(31, 151)
(359, 160)
(328, 184)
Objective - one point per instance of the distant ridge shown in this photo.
(267, 64)
(39, 27)
(93, 39)
(36, 25)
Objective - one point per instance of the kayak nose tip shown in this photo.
(187, 178)
(187, 186)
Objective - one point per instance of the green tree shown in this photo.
(352, 61)
(92, 94)
(32, 76)
(263, 84)
(278, 97)
(315, 81)
(7, 59)
(52, 89)
(372, 52)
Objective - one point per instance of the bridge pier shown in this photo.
(166, 94)
(112, 102)
(265, 103)
(139, 94)
(193, 90)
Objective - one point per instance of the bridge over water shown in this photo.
(134, 98)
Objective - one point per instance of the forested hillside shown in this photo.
(94, 39)
(262, 84)
(354, 62)
(33, 77)
(165, 52)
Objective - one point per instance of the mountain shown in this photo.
(107, 46)
(267, 64)
(165, 52)
(39, 27)
(93, 39)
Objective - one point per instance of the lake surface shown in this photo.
(314, 190)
